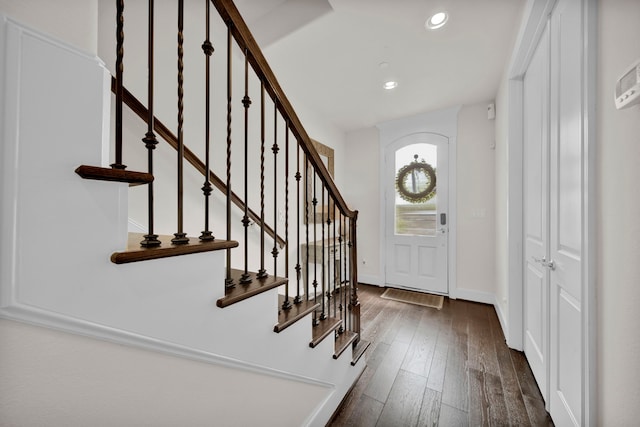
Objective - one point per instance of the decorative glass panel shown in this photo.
(416, 201)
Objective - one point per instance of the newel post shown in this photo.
(353, 263)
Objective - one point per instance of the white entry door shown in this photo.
(536, 213)
(416, 182)
(554, 213)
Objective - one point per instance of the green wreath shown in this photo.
(407, 182)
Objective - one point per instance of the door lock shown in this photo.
(551, 264)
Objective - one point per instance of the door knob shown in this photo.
(551, 264)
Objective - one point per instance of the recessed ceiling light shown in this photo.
(436, 21)
(390, 85)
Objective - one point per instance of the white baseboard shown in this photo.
(502, 319)
(476, 296)
(370, 280)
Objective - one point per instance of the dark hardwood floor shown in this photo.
(439, 368)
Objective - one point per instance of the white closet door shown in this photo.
(536, 213)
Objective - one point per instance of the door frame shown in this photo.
(534, 18)
(443, 122)
(442, 144)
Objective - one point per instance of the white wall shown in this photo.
(476, 275)
(475, 235)
(54, 378)
(618, 220)
(362, 192)
(73, 21)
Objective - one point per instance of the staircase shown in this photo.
(239, 301)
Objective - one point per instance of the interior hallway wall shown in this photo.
(475, 201)
(618, 220)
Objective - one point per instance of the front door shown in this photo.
(416, 212)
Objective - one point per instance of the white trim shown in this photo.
(135, 227)
(49, 319)
(531, 29)
(476, 296)
(368, 279)
(452, 259)
(501, 318)
(515, 337)
(589, 309)
(431, 122)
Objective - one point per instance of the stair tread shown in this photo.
(117, 175)
(359, 350)
(343, 342)
(135, 252)
(241, 291)
(298, 311)
(324, 329)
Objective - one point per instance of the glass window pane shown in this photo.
(416, 201)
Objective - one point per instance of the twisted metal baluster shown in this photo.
(286, 305)
(119, 90)
(150, 141)
(207, 48)
(246, 102)
(262, 273)
(228, 280)
(180, 236)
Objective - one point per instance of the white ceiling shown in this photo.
(329, 51)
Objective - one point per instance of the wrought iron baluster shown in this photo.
(355, 304)
(315, 252)
(306, 216)
(297, 299)
(275, 149)
(228, 280)
(180, 236)
(323, 315)
(150, 140)
(207, 48)
(347, 244)
(246, 102)
(286, 305)
(119, 89)
(262, 273)
(342, 285)
(332, 257)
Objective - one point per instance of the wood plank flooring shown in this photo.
(439, 368)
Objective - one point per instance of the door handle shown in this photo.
(551, 264)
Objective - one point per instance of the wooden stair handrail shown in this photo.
(246, 42)
(137, 107)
